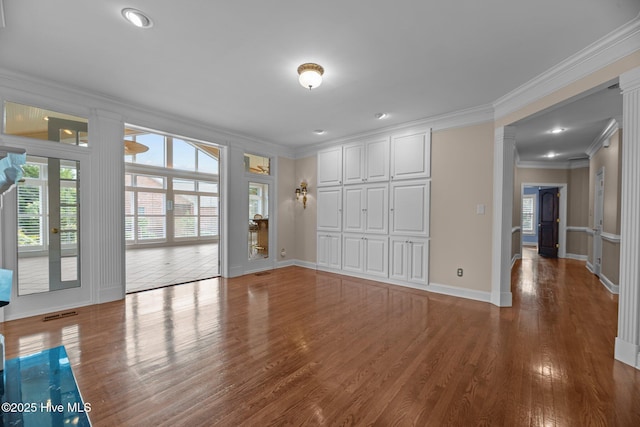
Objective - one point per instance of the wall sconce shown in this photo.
(302, 190)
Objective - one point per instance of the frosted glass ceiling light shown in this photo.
(137, 18)
(310, 75)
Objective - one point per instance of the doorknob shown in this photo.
(54, 230)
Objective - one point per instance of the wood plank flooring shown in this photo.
(299, 347)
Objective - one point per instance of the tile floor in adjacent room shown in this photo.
(157, 267)
(147, 268)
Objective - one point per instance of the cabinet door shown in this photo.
(409, 259)
(376, 208)
(329, 250)
(409, 208)
(418, 268)
(329, 209)
(352, 256)
(376, 256)
(354, 166)
(377, 161)
(411, 156)
(353, 212)
(398, 263)
(330, 167)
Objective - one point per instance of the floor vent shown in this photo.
(263, 273)
(59, 315)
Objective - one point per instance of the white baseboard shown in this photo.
(287, 263)
(612, 287)
(577, 257)
(515, 258)
(459, 292)
(111, 294)
(590, 267)
(627, 352)
(298, 263)
(307, 264)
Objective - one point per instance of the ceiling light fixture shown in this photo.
(551, 155)
(137, 18)
(557, 130)
(133, 147)
(310, 75)
(319, 131)
(380, 116)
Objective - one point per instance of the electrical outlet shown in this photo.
(460, 272)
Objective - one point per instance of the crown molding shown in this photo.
(454, 119)
(36, 88)
(630, 80)
(571, 164)
(605, 134)
(614, 46)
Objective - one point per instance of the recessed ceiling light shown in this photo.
(319, 131)
(137, 18)
(550, 155)
(380, 116)
(557, 130)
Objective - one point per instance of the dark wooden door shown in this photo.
(548, 201)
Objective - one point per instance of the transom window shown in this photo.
(39, 123)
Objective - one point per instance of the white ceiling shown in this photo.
(583, 119)
(232, 65)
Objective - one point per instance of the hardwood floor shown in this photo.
(299, 347)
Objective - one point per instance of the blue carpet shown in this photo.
(40, 390)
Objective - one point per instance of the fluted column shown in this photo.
(107, 207)
(627, 347)
(503, 163)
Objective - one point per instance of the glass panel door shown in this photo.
(48, 226)
(258, 220)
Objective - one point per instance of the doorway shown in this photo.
(549, 219)
(172, 199)
(531, 190)
(598, 213)
(48, 225)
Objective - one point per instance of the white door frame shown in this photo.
(34, 304)
(598, 215)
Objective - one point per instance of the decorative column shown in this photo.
(627, 347)
(503, 164)
(106, 131)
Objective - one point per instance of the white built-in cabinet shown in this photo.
(365, 208)
(409, 207)
(411, 156)
(330, 167)
(365, 254)
(409, 260)
(329, 213)
(329, 250)
(373, 208)
(366, 161)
